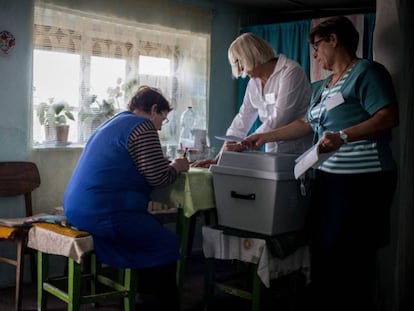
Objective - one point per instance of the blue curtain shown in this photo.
(289, 39)
(369, 25)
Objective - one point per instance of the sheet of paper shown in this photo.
(311, 158)
(229, 138)
(22, 221)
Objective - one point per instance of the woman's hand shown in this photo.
(331, 141)
(180, 164)
(294, 130)
(204, 163)
(227, 146)
(233, 146)
(254, 141)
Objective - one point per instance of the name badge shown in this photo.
(270, 98)
(334, 101)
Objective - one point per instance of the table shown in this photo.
(191, 193)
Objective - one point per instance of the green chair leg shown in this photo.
(74, 286)
(130, 283)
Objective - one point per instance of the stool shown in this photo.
(211, 284)
(266, 258)
(77, 247)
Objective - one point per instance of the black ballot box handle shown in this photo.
(236, 195)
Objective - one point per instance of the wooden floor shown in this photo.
(192, 299)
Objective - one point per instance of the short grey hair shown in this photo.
(248, 51)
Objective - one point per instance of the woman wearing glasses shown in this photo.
(351, 113)
(278, 92)
(109, 191)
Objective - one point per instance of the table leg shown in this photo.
(209, 280)
(183, 230)
(210, 217)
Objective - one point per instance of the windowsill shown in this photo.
(59, 146)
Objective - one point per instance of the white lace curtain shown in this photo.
(58, 28)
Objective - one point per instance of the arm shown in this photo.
(145, 150)
(378, 98)
(240, 125)
(227, 146)
(384, 119)
(247, 114)
(294, 130)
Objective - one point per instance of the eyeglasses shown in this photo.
(238, 64)
(316, 44)
(165, 121)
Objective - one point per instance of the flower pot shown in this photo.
(57, 133)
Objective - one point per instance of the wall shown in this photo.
(15, 87)
(16, 71)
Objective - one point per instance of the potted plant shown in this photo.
(97, 110)
(54, 117)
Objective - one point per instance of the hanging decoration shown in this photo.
(7, 42)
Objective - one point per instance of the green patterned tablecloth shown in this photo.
(192, 191)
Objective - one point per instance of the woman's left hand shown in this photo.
(180, 164)
(254, 141)
(331, 141)
(233, 146)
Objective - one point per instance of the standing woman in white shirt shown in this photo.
(278, 92)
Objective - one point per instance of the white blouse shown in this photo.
(285, 98)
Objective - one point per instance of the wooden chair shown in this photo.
(18, 179)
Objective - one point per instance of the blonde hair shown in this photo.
(248, 51)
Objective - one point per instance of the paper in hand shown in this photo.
(311, 158)
(229, 138)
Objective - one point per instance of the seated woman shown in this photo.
(109, 191)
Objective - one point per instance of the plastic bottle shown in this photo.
(187, 121)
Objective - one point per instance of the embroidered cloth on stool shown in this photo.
(62, 230)
(58, 240)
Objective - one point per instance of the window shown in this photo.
(154, 66)
(94, 64)
(51, 86)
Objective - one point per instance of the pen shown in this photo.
(185, 152)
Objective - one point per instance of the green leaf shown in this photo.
(69, 115)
